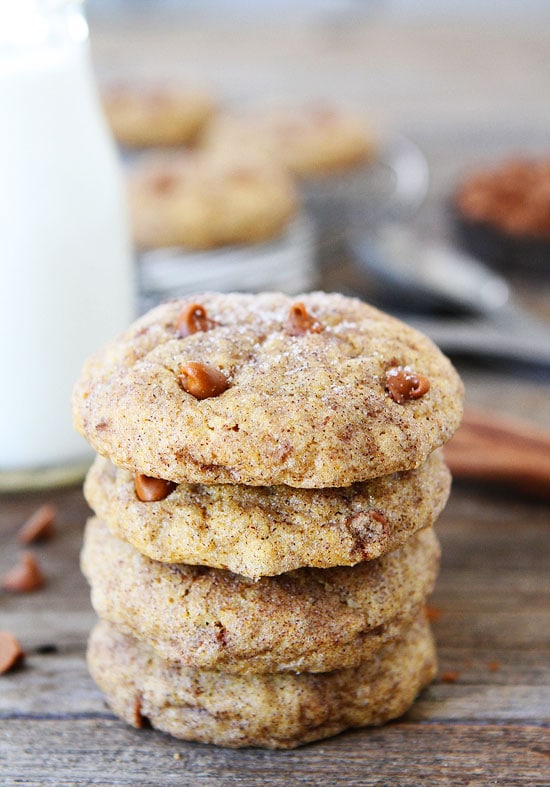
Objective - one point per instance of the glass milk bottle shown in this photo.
(67, 280)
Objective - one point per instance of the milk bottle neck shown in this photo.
(66, 263)
(29, 25)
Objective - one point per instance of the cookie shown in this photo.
(310, 620)
(312, 141)
(148, 115)
(277, 711)
(315, 391)
(263, 531)
(203, 201)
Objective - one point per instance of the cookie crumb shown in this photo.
(449, 677)
(25, 576)
(176, 755)
(433, 614)
(11, 653)
(39, 526)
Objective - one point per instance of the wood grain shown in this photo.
(404, 754)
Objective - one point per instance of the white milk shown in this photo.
(66, 270)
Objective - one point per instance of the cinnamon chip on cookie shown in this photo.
(308, 413)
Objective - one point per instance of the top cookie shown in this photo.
(315, 391)
(312, 141)
(204, 200)
(148, 115)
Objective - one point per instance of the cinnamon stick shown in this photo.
(502, 449)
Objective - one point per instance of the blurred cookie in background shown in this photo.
(150, 115)
(329, 151)
(222, 220)
(312, 140)
(208, 199)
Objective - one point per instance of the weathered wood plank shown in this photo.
(103, 751)
(36, 628)
(462, 703)
(486, 628)
(493, 666)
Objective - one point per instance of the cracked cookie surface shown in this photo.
(206, 200)
(278, 711)
(307, 410)
(313, 142)
(310, 620)
(147, 115)
(263, 531)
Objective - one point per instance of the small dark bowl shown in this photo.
(502, 250)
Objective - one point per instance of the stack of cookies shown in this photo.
(263, 548)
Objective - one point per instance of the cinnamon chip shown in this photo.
(202, 381)
(39, 526)
(24, 577)
(151, 490)
(404, 384)
(11, 653)
(138, 720)
(193, 319)
(299, 321)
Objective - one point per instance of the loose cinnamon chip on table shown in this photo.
(299, 321)
(193, 319)
(39, 526)
(450, 677)
(151, 490)
(202, 381)
(25, 576)
(433, 614)
(11, 653)
(403, 384)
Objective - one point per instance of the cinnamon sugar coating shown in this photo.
(310, 620)
(277, 711)
(264, 531)
(205, 200)
(305, 411)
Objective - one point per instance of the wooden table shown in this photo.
(485, 718)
